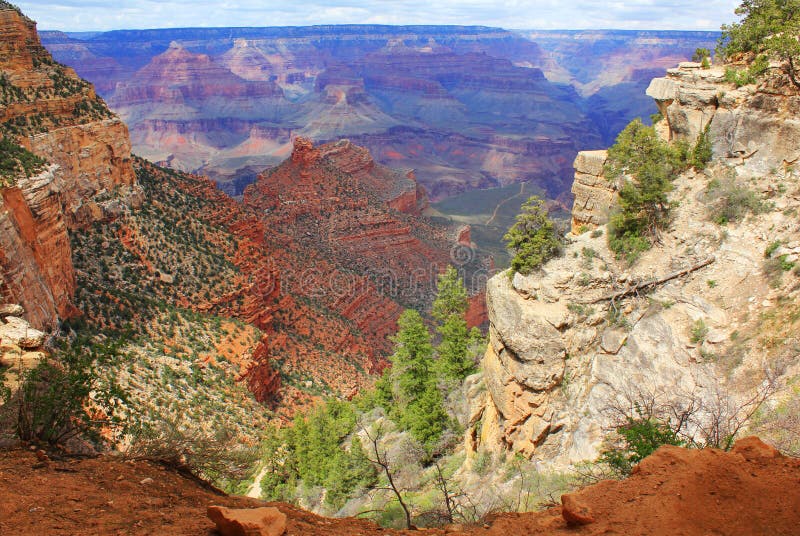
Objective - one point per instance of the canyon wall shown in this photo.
(573, 344)
(466, 107)
(48, 110)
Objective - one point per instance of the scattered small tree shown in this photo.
(768, 29)
(648, 165)
(451, 296)
(533, 237)
(449, 308)
(379, 457)
(703, 56)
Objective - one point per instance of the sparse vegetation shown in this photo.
(730, 202)
(648, 165)
(64, 397)
(699, 331)
(17, 162)
(703, 57)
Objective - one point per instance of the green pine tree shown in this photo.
(413, 358)
(451, 295)
(768, 29)
(455, 362)
(425, 417)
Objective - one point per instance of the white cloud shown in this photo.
(80, 15)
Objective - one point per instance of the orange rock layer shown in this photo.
(47, 109)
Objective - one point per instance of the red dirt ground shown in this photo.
(750, 491)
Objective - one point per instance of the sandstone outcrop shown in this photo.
(753, 125)
(35, 254)
(20, 344)
(594, 193)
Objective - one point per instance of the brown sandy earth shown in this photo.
(749, 491)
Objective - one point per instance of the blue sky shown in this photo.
(79, 15)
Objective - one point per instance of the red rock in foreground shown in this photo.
(266, 521)
(750, 490)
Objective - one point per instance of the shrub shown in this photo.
(702, 151)
(702, 55)
(640, 436)
(533, 237)
(699, 331)
(731, 202)
(215, 455)
(739, 77)
(53, 402)
(16, 162)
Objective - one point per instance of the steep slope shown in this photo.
(54, 114)
(700, 324)
(193, 286)
(751, 490)
(335, 201)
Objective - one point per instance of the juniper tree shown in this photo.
(533, 237)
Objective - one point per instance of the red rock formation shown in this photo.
(335, 205)
(477, 314)
(56, 115)
(37, 264)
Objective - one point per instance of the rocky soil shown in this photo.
(751, 490)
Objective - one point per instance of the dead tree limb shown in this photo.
(634, 289)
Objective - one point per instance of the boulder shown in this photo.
(663, 89)
(752, 448)
(18, 331)
(267, 521)
(575, 512)
(11, 309)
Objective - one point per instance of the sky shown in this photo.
(94, 15)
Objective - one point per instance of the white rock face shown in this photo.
(17, 331)
(562, 353)
(755, 126)
(594, 194)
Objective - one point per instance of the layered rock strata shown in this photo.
(594, 193)
(48, 110)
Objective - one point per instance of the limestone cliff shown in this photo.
(50, 111)
(704, 316)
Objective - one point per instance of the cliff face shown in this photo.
(564, 353)
(48, 110)
(756, 128)
(35, 252)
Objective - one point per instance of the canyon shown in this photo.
(465, 107)
(220, 317)
(316, 263)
